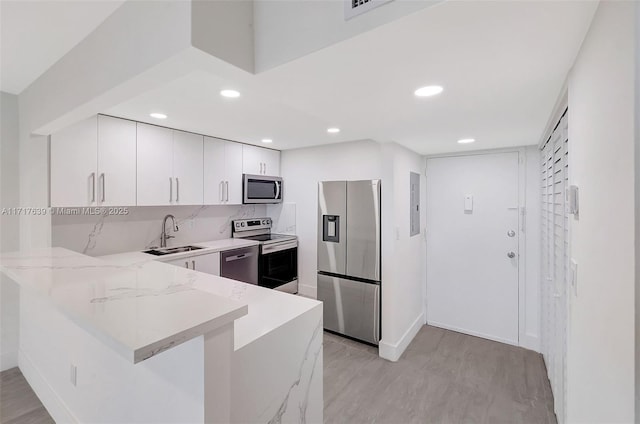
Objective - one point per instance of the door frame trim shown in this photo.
(529, 341)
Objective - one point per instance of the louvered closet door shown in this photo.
(555, 263)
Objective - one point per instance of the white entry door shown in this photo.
(472, 245)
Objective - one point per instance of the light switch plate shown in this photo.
(468, 203)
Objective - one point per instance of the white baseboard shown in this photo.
(49, 398)
(393, 351)
(8, 360)
(308, 291)
(531, 342)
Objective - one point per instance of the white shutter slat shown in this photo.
(555, 247)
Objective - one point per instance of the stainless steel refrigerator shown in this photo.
(349, 260)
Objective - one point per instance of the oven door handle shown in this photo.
(278, 247)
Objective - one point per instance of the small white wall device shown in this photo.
(573, 200)
(468, 203)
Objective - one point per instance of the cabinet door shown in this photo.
(183, 263)
(116, 179)
(233, 154)
(187, 168)
(74, 163)
(155, 184)
(251, 160)
(209, 264)
(271, 162)
(214, 170)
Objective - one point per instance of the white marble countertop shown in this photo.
(268, 309)
(140, 309)
(209, 247)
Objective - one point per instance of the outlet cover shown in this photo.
(73, 374)
(574, 276)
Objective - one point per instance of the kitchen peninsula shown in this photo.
(121, 340)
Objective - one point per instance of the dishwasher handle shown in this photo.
(238, 257)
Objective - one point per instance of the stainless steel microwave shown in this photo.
(261, 189)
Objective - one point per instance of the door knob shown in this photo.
(511, 255)
(511, 233)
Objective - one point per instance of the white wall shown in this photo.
(286, 30)
(403, 257)
(216, 23)
(141, 228)
(9, 227)
(301, 170)
(600, 360)
(403, 267)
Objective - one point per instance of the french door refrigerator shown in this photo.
(349, 259)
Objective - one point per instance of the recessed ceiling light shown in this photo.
(429, 90)
(466, 140)
(230, 93)
(158, 115)
(333, 130)
(267, 140)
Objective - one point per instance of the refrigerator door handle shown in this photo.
(376, 315)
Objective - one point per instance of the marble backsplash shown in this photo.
(141, 227)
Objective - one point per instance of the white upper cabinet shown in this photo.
(214, 175)
(155, 184)
(107, 161)
(233, 172)
(169, 166)
(260, 161)
(74, 163)
(271, 162)
(251, 160)
(187, 168)
(222, 172)
(116, 178)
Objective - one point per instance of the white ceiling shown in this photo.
(35, 34)
(502, 65)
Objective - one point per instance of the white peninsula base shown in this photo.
(263, 363)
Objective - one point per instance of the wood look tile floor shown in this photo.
(18, 403)
(443, 377)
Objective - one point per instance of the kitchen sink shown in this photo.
(170, 250)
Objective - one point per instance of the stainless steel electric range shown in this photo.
(278, 261)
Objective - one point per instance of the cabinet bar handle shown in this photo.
(193, 265)
(186, 264)
(92, 177)
(170, 189)
(226, 184)
(221, 191)
(177, 189)
(103, 195)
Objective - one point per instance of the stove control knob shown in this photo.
(242, 224)
(264, 222)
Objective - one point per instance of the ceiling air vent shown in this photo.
(354, 8)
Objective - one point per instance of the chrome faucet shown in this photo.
(164, 236)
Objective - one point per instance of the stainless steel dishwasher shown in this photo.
(240, 264)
